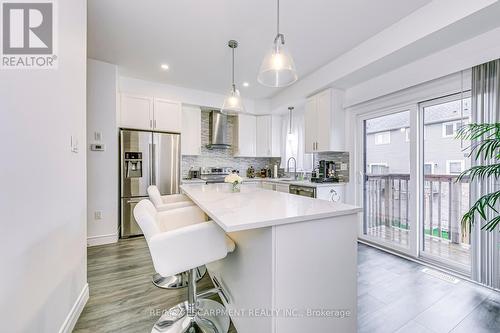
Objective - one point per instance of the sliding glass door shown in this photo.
(412, 196)
(444, 198)
(387, 180)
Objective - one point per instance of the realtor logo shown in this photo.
(28, 34)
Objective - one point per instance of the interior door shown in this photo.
(167, 116)
(166, 161)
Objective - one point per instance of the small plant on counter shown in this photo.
(235, 180)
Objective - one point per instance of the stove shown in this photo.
(215, 175)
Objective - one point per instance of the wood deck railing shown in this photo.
(445, 201)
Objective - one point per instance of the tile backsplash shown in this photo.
(338, 158)
(221, 157)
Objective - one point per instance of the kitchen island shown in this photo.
(294, 268)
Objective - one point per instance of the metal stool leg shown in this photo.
(195, 315)
(177, 281)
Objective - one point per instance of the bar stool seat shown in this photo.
(165, 203)
(184, 249)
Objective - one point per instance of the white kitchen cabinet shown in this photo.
(324, 122)
(268, 136)
(149, 113)
(191, 131)
(285, 188)
(334, 193)
(269, 186)
(136, 112)
(245, 136)
(167, 116)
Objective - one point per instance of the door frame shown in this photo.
(359, 171)
(427, 257)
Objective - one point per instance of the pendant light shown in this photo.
(233, 104)
(290, 136)
(278, 68)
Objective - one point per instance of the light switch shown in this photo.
(74, 144)
(97, 136)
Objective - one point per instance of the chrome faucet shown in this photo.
(294, 167)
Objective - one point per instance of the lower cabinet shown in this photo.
(334, 193)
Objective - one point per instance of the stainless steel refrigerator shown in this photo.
(146, 158)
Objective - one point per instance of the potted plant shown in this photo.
(485, 143)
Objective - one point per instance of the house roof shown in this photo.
(433, 114)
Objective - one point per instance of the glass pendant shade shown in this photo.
(278, 68)
(233, 104)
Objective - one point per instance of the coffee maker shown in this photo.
(325, 173)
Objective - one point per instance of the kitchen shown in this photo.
(250, 166)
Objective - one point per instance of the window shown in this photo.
(429, 168)
(450, 129)
(455, 166)
(383, 138)
(407, 133)
(378, 168)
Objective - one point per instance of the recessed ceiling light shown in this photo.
(164, 67)
(246, 84)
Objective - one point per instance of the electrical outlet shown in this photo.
(97, 215)
(343, 166)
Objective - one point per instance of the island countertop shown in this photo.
(255, 207)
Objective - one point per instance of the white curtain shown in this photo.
(295, 147)
(485, 109)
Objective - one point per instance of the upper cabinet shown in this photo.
(142, 112)
(167, 116)
(245, 136)
(136, 112)
(268, 136)
(324, 122)
(191, 130)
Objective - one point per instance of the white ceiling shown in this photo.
(191, 36)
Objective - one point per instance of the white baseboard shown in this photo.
(102, 239)
(76, 310)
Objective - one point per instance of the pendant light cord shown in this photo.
(278, 18)
(234, 87)
(279, 36)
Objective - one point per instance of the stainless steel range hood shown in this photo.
(218, 131)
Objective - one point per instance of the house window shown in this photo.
(455, 166)
(450, 129)
(378, 168)
(429, 168)
(383, 138)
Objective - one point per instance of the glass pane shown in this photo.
(387, 169)
(445, 199)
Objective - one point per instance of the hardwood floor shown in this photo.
(122, 297)
(393, 295)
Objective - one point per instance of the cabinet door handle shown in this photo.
(154, 122)
(150, 124)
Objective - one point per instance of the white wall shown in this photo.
(43, 185)
(102, 166)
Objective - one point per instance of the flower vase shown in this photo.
(236, 187)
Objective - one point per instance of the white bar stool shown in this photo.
(165, 203)
(184, 249)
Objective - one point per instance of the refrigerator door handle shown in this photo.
(153, 164)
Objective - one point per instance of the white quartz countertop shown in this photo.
(254, 207)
